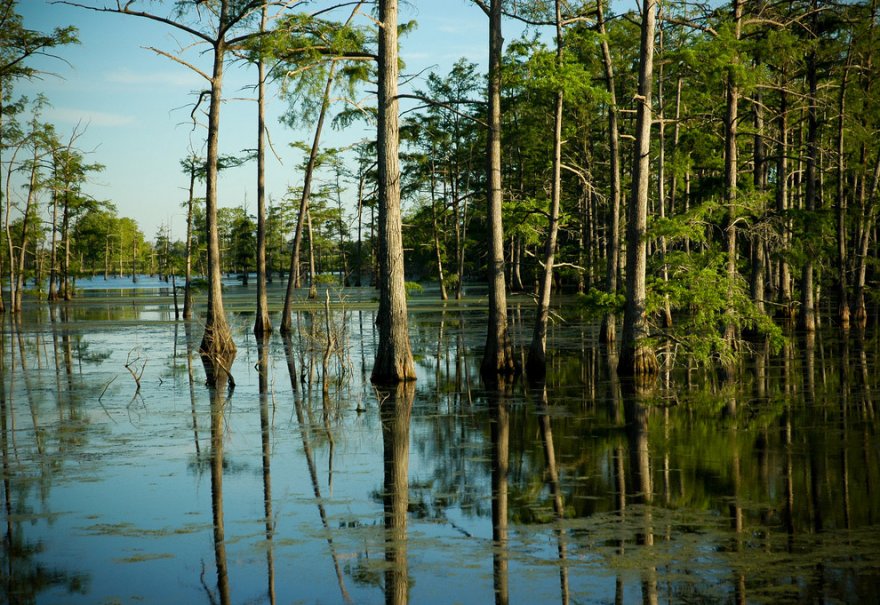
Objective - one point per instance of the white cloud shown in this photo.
(69, 115)
(163, 78)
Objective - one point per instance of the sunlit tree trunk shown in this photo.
(293, 279)
(187, 286)
(262, 323)
(867, 220)
(782, 203)
(730, 177)
(536, 364)
(759, 178)
(637, 358)
(498, 354)
(808, 309)
(394, 362)
(436, 234)
(217, 347)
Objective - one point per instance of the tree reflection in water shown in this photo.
(396, 410)
(758, 490)
(499, 419)
(218, 404)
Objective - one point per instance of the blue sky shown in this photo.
(136, 104)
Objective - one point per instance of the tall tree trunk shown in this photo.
(498, 355)
(608, 330)
(868, 216)
(840, 207)
(759, 178)
(293, 279)
(217, 348)
(359, 248)
(730, 177)
(25, 224)
(53, 269)
(782, 204)
(313, 275)
(536, 363)
(187, 286)
(2, 302)
(394, 362)
(661, 176)
(262, 323)
(637, 358)
(808, 309)
(66, 293)
(436, 228)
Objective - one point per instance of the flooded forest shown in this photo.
(593, 319)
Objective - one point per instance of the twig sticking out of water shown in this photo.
(130, 364)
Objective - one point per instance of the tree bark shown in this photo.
(607, 332)
(730, 178)
(637, 358)
(262, 323)
(808, 309)
(217, 348)
(187, 286)
(782, 203)
(498, 354)
(759, 178)
(394, 362)
(840, 207)
(536, 363)
(293, 279)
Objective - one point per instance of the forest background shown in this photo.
(750, 143)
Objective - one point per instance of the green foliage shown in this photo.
(413, 288)
(697, 292)
(597, 303)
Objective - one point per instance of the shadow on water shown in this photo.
(580, 489)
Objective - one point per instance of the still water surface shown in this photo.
(304, 484)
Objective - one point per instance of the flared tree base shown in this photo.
(217, 351)
(638, 361)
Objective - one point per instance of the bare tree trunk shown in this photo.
(840, 207)
(782, 204)
(666, 313)
(608, 330)
(187, 286)
(25, 224)
(262, 323)
(435, 226)
(313, 281)
(808, 313)
(293, 279)
(2, 303)
(759, 178)
(394, 362)
(536, 363)
(217, 348)
(498, 355)
(730, 177)
(359, 248)
(66, 293)
(867, 219)
(53, 269)
(636, 357)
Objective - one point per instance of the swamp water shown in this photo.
(583, 491)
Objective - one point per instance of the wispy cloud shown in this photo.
(154, 78)
(69, 115)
